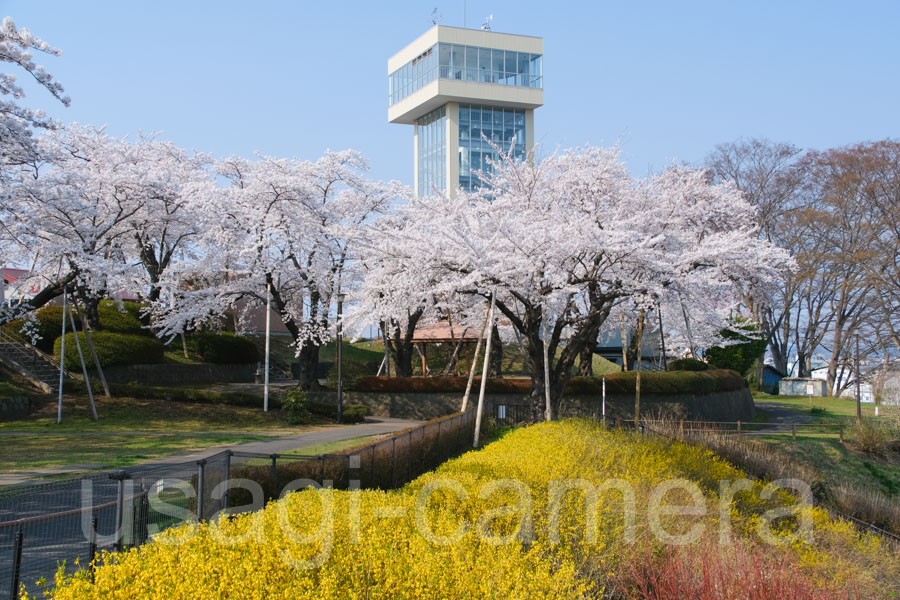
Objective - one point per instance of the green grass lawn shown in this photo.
(131, 414)
(129, 431)
(105, 451)
(826, 407)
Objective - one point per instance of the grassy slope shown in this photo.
(824, 452)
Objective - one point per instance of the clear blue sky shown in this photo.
(668, 79)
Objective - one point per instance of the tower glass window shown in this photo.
(465, 63)
(476, 154)
(431, 136)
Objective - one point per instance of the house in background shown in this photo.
(771, 378)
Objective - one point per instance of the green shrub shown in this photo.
(295, 407)
(870, 436)
(353, 372)
(353, 413)
(223, 348)
(741, 356)
(127, 320)
(112, 349)
(687, 364)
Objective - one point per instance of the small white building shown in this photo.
(846, 378)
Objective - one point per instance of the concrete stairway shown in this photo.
(39, 368)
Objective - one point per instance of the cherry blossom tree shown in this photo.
(286, 227)
(106, 213)
(566, 238)
(17, 122)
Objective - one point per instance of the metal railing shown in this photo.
(10, 336)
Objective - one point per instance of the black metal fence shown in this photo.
(47, 527)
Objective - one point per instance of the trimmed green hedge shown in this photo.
(112, 349)
(688, 364)
(675, 382)
(112, 320)
(223, 348)
(353, 413)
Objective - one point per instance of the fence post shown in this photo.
(409, 474)
(372, 468)
(393, 460)
(92, 547)
(681, 428)
(794, 431)
(273, 474)
(841, 432)
(227, 479)
(201, 468)
(120, 477)
(141, 516)
(740, 433)
(322, 470)
(16, 565)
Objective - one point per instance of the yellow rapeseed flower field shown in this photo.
(507, 521)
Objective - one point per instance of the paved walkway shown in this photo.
(781, 418)
(281, 444)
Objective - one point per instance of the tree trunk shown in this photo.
(91, 305)
(401, 345)
(495, 361)
(309, 366)
(632, 351)
(586, 362)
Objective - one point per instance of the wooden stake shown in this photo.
(484, 323)
(90, 342)
(637, 381)
(62, 360)
(87, 379)
(484, 374)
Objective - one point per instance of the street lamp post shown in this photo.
(340, 366)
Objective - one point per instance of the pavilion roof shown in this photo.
(440, 332)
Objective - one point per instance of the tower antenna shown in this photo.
(486, 26)
(436, 17)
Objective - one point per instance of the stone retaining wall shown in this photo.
(175, 374)
(13, 408)
(721, 406)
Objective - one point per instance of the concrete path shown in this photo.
(335, 433)
(781, 418)
(280, 444)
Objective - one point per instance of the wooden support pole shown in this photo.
(424, 360)
(484, 374)
(465, 402)
(87, 380)
(90, 342)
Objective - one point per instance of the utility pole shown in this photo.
(62, 359)
(340, 371)
(858, 377)
(268, 336)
